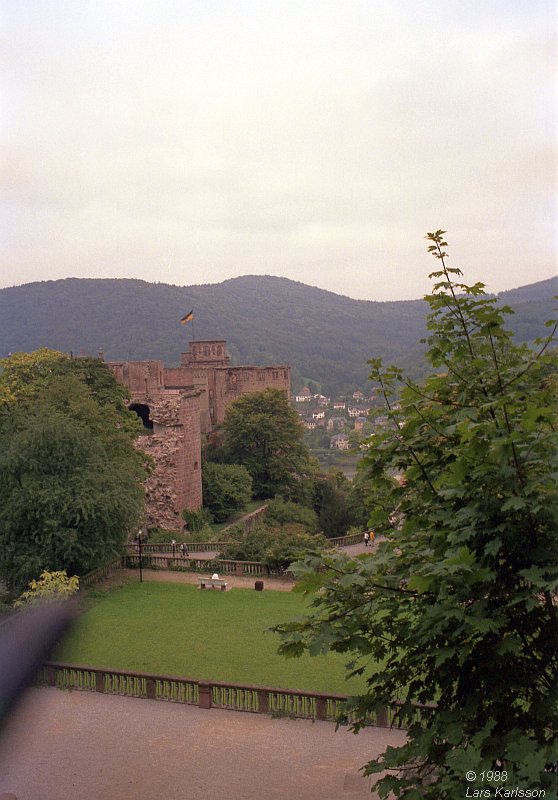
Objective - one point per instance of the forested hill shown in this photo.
(325, 337)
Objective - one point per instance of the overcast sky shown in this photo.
(190, 141)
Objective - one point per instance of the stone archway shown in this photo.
(144, 413)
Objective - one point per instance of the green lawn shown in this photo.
(177, 629)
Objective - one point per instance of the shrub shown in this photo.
(284, 511)
(227, 488)
(276, 547)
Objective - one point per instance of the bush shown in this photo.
(197, 520)
(163, 536)
(276, 547)
(227, 488)
(284, 511)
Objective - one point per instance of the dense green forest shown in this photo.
(324, 337)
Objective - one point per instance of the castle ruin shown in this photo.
(179, 405)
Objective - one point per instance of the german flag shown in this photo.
(187, 317)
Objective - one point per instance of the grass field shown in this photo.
(176, 629)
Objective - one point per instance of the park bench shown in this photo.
(212, 583)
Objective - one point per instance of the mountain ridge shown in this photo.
(265, 319)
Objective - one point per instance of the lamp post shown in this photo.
(140, 541)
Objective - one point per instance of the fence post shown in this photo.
(51, 676)
(99, 682)
(150, 688)
(263, 701)
(239, 568)
(204, 695)
(382, 718)
(321, 708)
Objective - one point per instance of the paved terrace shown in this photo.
(86, 746)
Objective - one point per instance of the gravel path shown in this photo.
(86, 746)
(169, 576)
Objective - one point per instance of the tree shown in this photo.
(227, 488)
(70, 478)
(264, 434)
(459, 603)
(335, 514)
(282, 512)
(51, 587)
(24, 374)
(276, 546)
(25, 377)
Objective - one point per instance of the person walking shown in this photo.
(369, 537)
(184, 550)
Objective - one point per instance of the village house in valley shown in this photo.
(340, 442)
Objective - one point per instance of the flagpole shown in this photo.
(189, 317)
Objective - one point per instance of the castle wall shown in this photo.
(186, 377)
(231, 383)
(177, 377)
(141, 377)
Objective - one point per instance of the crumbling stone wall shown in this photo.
(175, 446)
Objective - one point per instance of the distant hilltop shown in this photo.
(325, 337)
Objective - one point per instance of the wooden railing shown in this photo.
(209, 547)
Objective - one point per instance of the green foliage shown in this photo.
(25, 378)
(165, 536)
(264, 434)
(332, 503)
(197, 521)
(23, 375)
(459, 600)
(50, 587)
(363, 497)
(70, 479)
(281, 511)
(276, 546)
(227, 488)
